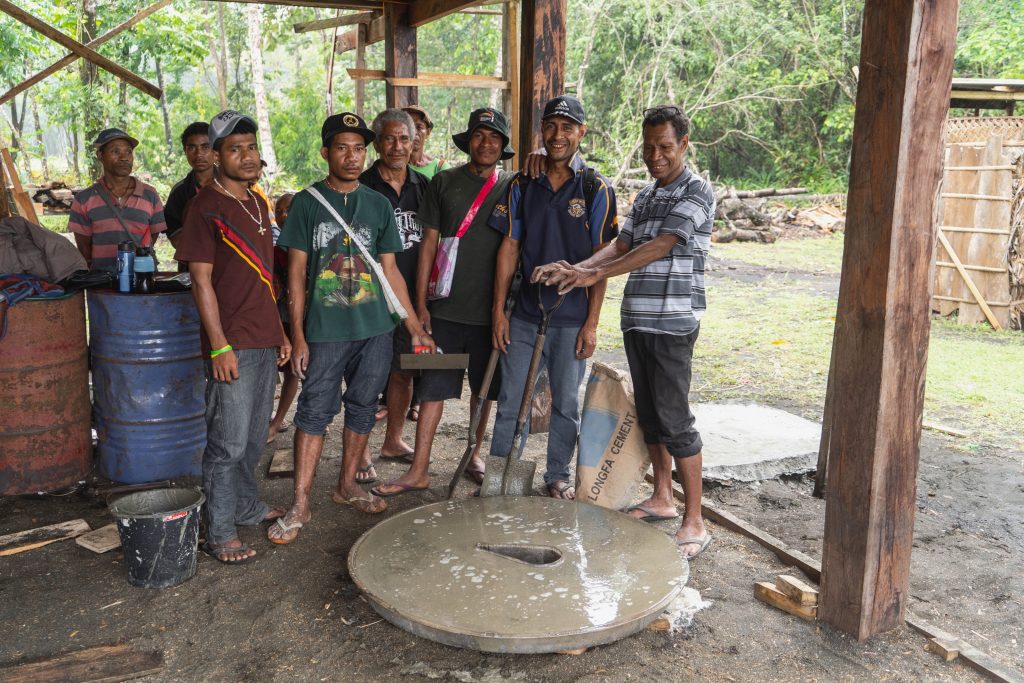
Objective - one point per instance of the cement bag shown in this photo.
(613, 457)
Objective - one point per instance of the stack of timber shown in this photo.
(979, 255)
(789, 594)
(752, 217)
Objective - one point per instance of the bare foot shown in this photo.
(654, 506)
(475, 469)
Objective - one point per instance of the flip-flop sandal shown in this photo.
(413, 415)
(650, 515)
(696, 540)
(364, 505)
(402, 457)
(561, 487)
(270, 520)
(402, 490)
(284, 528)
(366, 470)
(219, 552)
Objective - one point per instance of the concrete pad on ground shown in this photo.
(749, 442)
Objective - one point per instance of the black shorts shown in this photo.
(660, 366)
(401, 342)
(441, 385)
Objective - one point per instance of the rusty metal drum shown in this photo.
(45, 440)
(148, 385)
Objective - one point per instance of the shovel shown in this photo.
(510, 476)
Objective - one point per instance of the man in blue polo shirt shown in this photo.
(547, 220)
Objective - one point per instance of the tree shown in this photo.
(255, 24)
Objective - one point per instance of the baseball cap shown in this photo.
(345, 122)
(224, 123)
(111, 134)
(564, 105)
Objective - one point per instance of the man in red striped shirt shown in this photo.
(116, 208)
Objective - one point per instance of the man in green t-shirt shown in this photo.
(348, 327)
(461, 321)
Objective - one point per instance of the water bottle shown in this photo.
(144, 267)
(126, 267)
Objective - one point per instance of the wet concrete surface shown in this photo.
(517, 574)
(747, 442)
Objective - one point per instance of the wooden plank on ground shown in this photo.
(767, 593)
(101, 540)
(974, 657)
(105, 663)
(797, 590)
(282, 464)
(946, 649)
(19, 542)
(82, 51)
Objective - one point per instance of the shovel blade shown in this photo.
(519, 478)
(494, 474)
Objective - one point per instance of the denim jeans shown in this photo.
(363, 364)
(565, 371)
(237, 418)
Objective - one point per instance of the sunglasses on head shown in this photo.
(670, 109)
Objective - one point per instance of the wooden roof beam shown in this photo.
(348, 40)
(335, 22)
(71, 57)
(425, 11)
(81, 50)
(322, 4)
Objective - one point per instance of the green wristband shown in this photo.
(214, 354)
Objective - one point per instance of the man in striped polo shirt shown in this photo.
(116, 208)
(663, 245)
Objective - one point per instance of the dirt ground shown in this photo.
(294, 615)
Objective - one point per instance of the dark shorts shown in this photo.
(440, 385)
(660, 366)
(401, 343)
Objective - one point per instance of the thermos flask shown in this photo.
(126, 267)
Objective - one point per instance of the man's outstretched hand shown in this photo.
(563, 275)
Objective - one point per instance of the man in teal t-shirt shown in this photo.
(348, 326)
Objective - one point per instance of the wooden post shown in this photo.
(882, 324)
(510, 73)
(399, 55)
(542, 66)
(360, 85)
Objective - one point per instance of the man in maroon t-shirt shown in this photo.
(230, 250)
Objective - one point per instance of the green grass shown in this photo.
(766, 342)
(817, 254)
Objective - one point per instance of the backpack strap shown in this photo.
(589, 185)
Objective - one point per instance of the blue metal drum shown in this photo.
(148, 385)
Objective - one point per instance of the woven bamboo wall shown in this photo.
(979, 255)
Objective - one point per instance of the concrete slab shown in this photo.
(517, 574)
(748, 442)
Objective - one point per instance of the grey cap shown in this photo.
(224, 123)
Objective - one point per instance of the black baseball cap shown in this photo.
(345, 122)
(489, 118)
(224, 124)
(564, 105)
(111, 134)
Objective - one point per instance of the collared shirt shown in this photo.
(667, 296)
(405, 204)
(552, 226)
(141, 211)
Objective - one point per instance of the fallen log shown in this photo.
(767, 192)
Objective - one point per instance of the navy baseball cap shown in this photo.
(224, 124)
(345, 122)
(111, 134)
(564, 105)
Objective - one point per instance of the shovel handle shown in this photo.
(474, 423)
(531, 379)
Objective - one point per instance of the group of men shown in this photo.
(368, 276)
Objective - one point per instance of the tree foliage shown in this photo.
(770, 86)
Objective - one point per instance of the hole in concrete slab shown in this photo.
(539, 555)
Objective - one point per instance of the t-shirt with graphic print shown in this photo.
(344, 300)
(405, 204)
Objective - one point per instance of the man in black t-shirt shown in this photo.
(392, 177)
